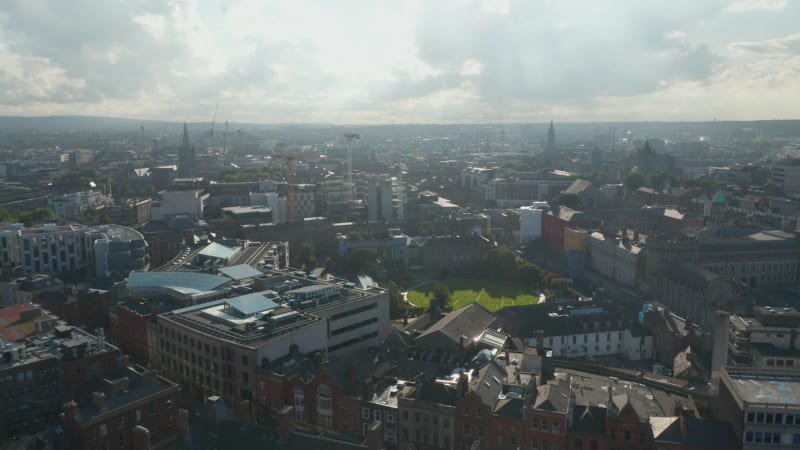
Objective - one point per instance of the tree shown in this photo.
(569, 200)
(441, 297)
(305, 255)
(501, 262)
(360, 258)
(397, 306)
(633, 181)
(659, 180)
(528, 272)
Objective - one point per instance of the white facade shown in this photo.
(172, 203)
(599, 343)
(530, 224)
(70, 206)
(385, 199)
(614, 258)
(50, 249)
(356, 324)
(305, 201)
(271, 199)
(9, 245)
(57, 249)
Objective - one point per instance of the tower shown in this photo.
(186, 157)
(551, 139)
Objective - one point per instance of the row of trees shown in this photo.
(29, 218)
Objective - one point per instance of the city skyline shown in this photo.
(360, 62)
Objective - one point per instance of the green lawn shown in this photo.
(493, 295)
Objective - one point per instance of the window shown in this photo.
(769, 418)
(466, 429)
(534, 424)
(103, 429)
(545, 425)
(121, 423)
(389, 418)
(760, 418)
(378, 416)
(365, 413)
(416, 417)
(751, 417)
(627, 435)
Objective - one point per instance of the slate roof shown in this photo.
(553, 396)
(589, 419)
(559, 320)
(578, 186)
(700, 433)
(468, 321)
(509, 407)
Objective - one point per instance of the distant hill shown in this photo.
(73, 123)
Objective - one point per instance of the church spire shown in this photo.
(551, 138)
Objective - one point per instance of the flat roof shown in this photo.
(178, 281)
(240, 272)
(766, 387)
(251, 303)
(216, 250)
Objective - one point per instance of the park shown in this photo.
(491, 294)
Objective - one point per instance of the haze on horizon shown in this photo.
(401, 62)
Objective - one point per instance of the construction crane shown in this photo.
(290, 186)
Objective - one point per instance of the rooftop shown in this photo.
(219, 251)
(240, 272)
(764, 387)
(182, 283)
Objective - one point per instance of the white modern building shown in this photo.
(385, 198)
(70, 207)
(51, 248)
(530, 222)
(172, 203)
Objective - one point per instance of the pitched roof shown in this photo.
(698, 433)
(553, 397)
(240, 271)
(468, 321)
(589, 419)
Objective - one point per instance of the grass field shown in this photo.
(492, 295)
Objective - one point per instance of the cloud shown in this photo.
(757, 5)
(559, 53)
(363, 61)
(787, 44)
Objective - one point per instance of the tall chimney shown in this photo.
(375, 436)
(286, 422)
(99, 400)
(539, 339)
(183, 423)
(69, 413)
(140, 438)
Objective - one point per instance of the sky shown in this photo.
(410, 61)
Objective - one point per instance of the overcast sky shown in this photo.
(401, 61)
